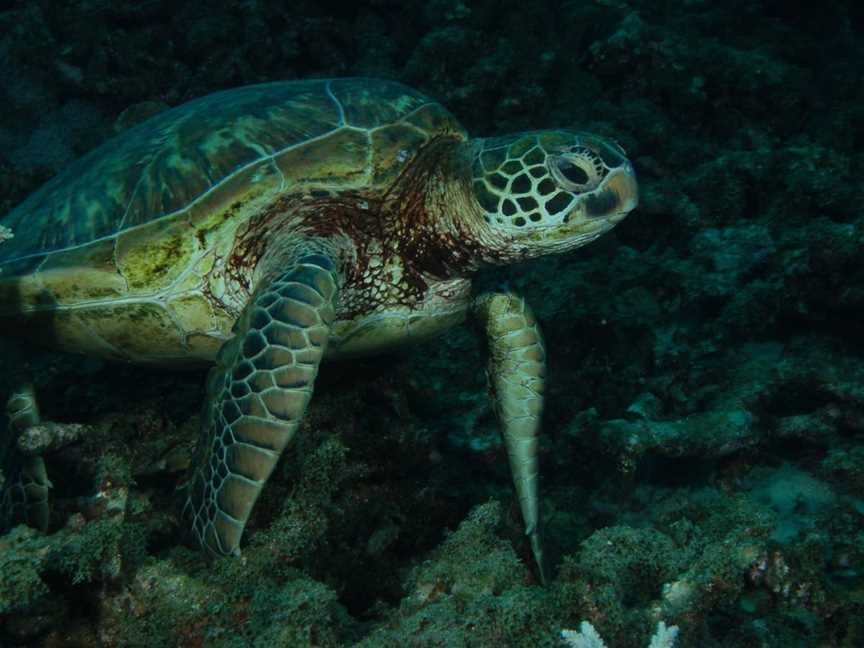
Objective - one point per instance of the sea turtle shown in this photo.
(267, 227)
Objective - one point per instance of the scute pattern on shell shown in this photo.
(163, 165)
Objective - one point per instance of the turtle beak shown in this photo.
(617, 196)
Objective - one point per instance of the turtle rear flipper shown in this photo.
(256, 396)
(25, 489)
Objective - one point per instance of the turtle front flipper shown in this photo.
(256, 396)
(516, 370)
(24, 493)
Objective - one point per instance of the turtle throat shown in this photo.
(432, 214)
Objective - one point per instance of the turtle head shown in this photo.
(551, 191)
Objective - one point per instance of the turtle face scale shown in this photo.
(552, 190)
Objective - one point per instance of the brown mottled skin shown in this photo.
(268, 226)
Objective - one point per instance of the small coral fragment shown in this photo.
(36, 440)
(587, 637)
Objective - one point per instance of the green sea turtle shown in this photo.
(268, 227)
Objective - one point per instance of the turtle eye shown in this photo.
(573, 172)
(576, 173)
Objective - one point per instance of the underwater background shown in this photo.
(702, 457)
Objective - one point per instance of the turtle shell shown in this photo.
(212, 147)
(132, 218)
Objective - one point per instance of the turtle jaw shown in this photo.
(616, 196)
(594, 213)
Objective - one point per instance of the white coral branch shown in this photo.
(587, 637)
(664, 637)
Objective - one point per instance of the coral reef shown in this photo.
(703, 449)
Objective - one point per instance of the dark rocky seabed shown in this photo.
(703, 446)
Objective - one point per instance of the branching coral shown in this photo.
(587, 637)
